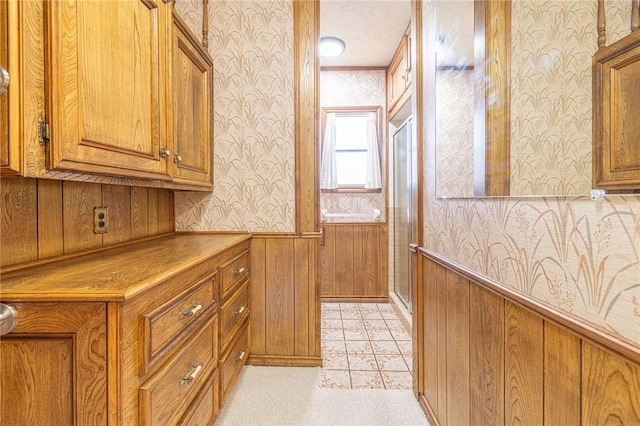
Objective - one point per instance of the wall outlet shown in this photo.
(100, 220)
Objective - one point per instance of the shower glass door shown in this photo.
(402, 212)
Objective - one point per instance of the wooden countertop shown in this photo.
(114, 274)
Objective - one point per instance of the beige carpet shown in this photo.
(292, 396)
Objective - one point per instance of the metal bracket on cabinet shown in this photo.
(43, 131)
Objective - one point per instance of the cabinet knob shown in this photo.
(177, 159)
(239, 271)
(8, 319)
(164, 152)
(4, 80)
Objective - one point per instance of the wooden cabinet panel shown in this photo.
(616, 151)
(192, 84)
(10, 137)
(164, 397)
(611, 388)
(205, 407)
(233, 312)
(107, 78)
(234, 272)
(232, 361)
(54, 365)
(166, 326)
(399, 75)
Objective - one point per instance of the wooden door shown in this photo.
(106, 71)
(54, 365)
(10, 142)
(192, 79)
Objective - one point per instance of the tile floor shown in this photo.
(364, 346)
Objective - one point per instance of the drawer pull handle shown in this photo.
(239, 311)
(239, 271)
(191, 373)
(240, 356)
(191, 310)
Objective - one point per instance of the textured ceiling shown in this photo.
(371, 30)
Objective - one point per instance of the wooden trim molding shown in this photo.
(284, 361)
(573, 325)
(306, 24)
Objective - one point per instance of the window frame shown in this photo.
(347, 110)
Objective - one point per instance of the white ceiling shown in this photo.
(371, 30)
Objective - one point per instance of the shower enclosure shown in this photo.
(401, 194)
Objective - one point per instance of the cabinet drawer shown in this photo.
(204, 409)
(233, 360)
(164, 328)
(164, 397)
(233, 313)
(234, 271)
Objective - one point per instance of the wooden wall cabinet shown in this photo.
(616, 136)
(192, 110)
(127, 336)
(399, 75)
(123, 88)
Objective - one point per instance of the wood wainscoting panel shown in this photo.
(611, 388)
(441, 335)
(523, 366)
(457, 330)
(487, 357)
(19, 225)
(561, 376)
(118, 200)
(428, 382)
(50, 237)
(285, 313)
(42, 218)
(486, 335)
(354, 262)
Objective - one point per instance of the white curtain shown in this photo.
(328, 166)
(374, 175)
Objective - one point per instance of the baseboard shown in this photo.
(284, 361)
(352, 299)
(431, 416)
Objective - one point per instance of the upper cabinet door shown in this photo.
(10, 141)
(105, 92)
(192, 118)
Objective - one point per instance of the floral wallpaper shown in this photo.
(454, 133)
(579, 256)
(251, 43)
(191, 12)
(354, 88)
(552, 43)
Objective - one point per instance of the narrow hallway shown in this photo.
(365, 378)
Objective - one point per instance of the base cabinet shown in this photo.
(53, 365)
(141, 344)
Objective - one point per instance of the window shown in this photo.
(351, 149)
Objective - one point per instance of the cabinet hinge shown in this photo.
(43, 131)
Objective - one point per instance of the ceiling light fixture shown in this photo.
(330, 47)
